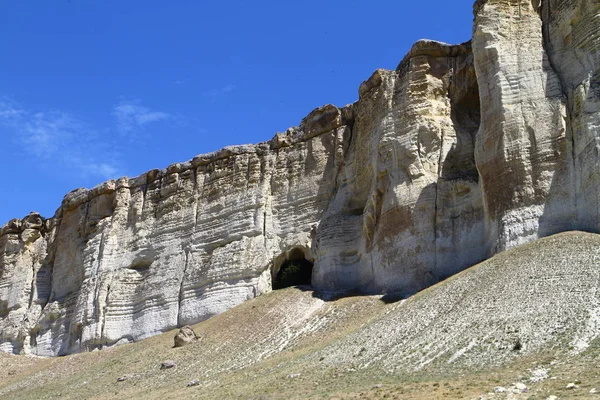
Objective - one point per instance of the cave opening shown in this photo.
(294, 271)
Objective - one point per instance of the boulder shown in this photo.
(185, 336)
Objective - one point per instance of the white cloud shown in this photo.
(132, 117)
(9, 110)
(58, 138)
(103, 170)
(215, 94)
(181, 82)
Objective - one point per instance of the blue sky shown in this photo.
(97, 89)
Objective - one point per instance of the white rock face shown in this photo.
(523, 155)
(136, 257)
(408, 209)
(461, 152)
(572, 37)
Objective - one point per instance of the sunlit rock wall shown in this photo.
(461, 152)
(135, 257)
(408, 210)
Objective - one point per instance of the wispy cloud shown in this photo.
(59, 138)
(132, 116)
(181, 82)
(215, 94)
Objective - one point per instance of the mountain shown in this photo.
(462, 152)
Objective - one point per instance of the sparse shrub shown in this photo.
(292, 273)
(517, 346)
(3, 308)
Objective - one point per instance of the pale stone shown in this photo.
(407, 209)
(168, 364)
(461, 152)
(521, 387)
(185, 336)
(571, 386)
(135, 257)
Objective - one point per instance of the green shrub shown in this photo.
(293, 273)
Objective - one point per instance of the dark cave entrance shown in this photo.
(295, 270)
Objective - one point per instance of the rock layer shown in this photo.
(461, 152)
(523, 155)
(135, 257)
(408, 208)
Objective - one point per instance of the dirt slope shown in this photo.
(531, 309)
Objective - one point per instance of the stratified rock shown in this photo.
(135, 257)
(461, 152)
(572, 41)
(185, 336)
(407, 210)
(522, 150)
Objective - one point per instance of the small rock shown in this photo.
(539, 375)
(571, 386)
(195, 382)
(521, 387)
(499, 389)
(185, 336)
(593, 390)
(167, 364)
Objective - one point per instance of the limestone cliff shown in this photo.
(408, 209)
(459, 153)
(134, 257)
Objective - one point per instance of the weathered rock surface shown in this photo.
(407, 210)
(135, 257)
(461, 152)
(463, 328)
(185, 336)
(522, 151)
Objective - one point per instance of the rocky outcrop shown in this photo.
(185, 336)
(135, 257)
(408, 209)
(572, 41)
(523, 151)
(461, 152)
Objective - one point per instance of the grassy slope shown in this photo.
(454, 340)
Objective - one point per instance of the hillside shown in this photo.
(532, 312)
(459, 153)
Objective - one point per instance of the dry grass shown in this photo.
(452, 341)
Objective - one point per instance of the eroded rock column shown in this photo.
(523, 151)
(572, 38)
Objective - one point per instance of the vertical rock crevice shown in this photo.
(180, 296)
